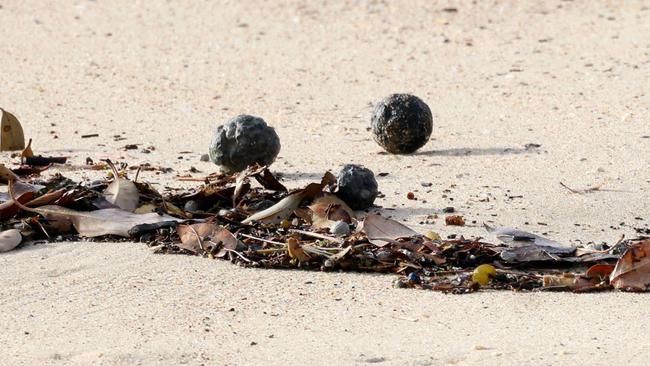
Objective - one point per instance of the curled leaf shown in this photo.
(296, 251)
(122, 192)
(27, 152)
(11, 132)
(632, 271)
(328, 209)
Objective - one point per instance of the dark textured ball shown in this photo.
(357, 186)
(243, 141)
(401, 123)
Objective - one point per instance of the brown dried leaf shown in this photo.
(7, 174)
(381, 230)
(328, 209)
(27, 152)
(599, 271)
(11, 132)
(283, 209)
(632, 271)
(47, 199)
(296, 251)
(193, 237)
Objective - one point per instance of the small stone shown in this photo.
(448, 210)
(340, 228)
(357, 186)
(191, 206)
(205, 157)
(402, 123)
(244, 140)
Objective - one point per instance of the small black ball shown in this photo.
(402, 123)
(242, 141)
(357, 186)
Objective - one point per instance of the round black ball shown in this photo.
(242, 141)
(357, 186)
(402, 123)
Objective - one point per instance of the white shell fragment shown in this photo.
(9, 239)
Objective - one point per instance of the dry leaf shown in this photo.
(193, 236)
(518, 238)
(381, 230)
(122, 192)
(278, 212)
(296, 251)
(632, 271)
(27, 152)
(599, 271)
(47, 198)
(328, 209)
(24, 192)
(11, 132)
(7, 174)
(109, 221)
(9, 239)
(283, 209)
(569, 281)
(206, 237)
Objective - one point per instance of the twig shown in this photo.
(318, 236)
(262, 240)
(239, 254)
(598, 188)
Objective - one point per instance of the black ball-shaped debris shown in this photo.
(402, 123)
(357, 186)
(244, 140)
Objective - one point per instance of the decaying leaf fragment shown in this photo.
(381, 230)
(9, 239)
(295, 250)
(206, 237)
(328, 209)
(11, 132)
(122, 192)
(632, 271)
(283, 209)
(27, 152)
(109, 221)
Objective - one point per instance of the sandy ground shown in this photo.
(570, 76)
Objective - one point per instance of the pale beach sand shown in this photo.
(572, 76)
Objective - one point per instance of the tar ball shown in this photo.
(401, 123)
(243, 141)
(357, 186)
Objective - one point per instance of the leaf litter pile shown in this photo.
(250, 219)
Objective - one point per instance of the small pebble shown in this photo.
(191, 206)
(340, 228)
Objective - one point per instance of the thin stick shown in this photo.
(239, 254)
(317, 235)
(262, 240)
